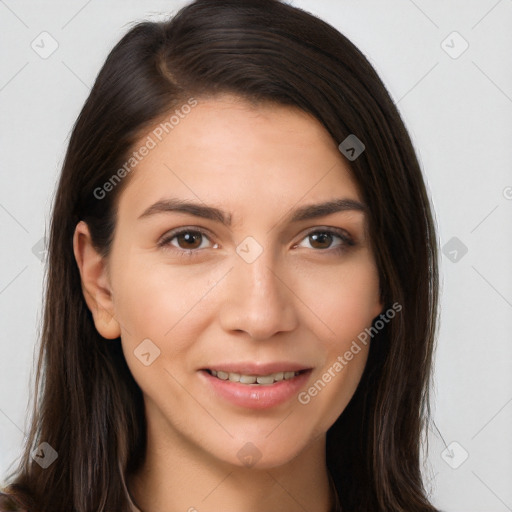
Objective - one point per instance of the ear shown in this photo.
(95, 282)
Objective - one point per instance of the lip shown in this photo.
(256, 396)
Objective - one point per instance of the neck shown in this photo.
(175, 477)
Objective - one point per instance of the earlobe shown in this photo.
(95, 283)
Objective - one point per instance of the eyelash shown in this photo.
(346, 240)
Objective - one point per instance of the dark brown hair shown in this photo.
(87, 404)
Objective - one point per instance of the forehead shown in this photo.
(226, 150)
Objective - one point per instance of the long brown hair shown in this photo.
(87, 405)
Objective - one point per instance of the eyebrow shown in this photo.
(307, 212)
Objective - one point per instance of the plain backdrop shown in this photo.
(447, 66)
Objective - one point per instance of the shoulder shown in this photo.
(9, 504)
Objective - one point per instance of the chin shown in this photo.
(259, 452)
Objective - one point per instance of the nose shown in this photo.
(257, 300)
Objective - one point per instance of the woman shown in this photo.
(242, 289)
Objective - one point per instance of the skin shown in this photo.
(299, 301)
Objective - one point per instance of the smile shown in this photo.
(262, 380)
(255, 388)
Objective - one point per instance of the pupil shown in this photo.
(323, 238)
(193, 240)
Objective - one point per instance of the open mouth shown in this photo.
(259, 380)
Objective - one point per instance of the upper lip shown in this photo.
(251, 368)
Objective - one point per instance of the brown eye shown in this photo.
(321, 240)
(328, 240)
(189, 240)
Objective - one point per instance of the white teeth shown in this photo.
(254, 379)
(247, 379)
(265, 380)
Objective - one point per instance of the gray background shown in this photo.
(457, 107)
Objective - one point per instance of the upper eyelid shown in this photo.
(169, 235)
(328, 228)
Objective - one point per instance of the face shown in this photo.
(224, 268)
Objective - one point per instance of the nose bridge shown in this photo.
(258, 302)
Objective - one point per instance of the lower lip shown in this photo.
(256, 396)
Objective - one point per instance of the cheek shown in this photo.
(346, 302)
(169, 305)
(148, 294)
(345, 298)
(163, 305)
